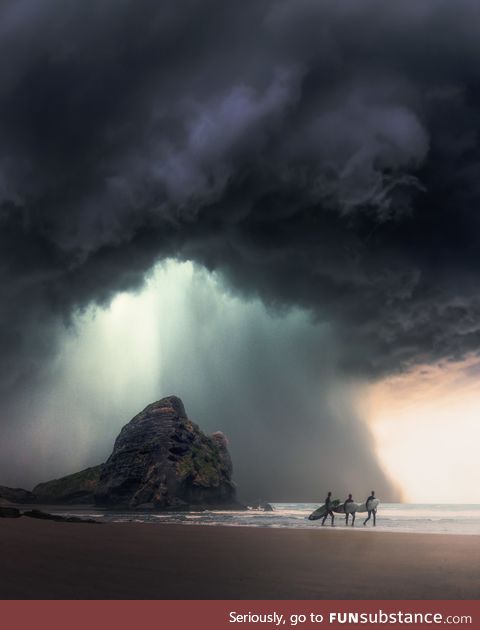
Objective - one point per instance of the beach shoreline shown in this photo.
(49, 560)
(457, 519)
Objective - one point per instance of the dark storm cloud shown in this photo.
(318, 154)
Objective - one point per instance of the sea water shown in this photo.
(391, 517)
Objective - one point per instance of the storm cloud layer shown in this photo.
(317, 154)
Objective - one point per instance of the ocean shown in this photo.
(391, 517)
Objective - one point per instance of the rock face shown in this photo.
(161, 460)
(16, 495)
(73, 489)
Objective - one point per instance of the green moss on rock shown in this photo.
(201, 464)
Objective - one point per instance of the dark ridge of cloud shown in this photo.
(318, 154)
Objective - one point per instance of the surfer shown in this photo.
(328, 508)
(349, 500)
(372, 512)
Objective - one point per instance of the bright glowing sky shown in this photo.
(426, 424)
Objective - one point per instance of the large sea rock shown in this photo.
(162, 460)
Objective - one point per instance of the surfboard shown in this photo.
(372, 505)
(322, 510)
(355, 507)
(351, 507)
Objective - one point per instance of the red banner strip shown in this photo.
(236, 614)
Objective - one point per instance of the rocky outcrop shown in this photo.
(16, 495)
(75, 489)
(161, 460)
(9, 512)
(46, 516)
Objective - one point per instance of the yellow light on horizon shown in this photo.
(427, 427)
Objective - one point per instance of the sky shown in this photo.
(426, 429)
(310, 171)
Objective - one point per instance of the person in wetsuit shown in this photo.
(349, 500)
(372, 512)
(328, 505)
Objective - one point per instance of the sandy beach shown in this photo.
(48, 560)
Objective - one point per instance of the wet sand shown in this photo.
(48, 560)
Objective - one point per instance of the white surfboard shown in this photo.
(352, 507)
(372, 505)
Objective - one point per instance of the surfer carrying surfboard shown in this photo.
(329, 509)
(371, 504)
(347, 514)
